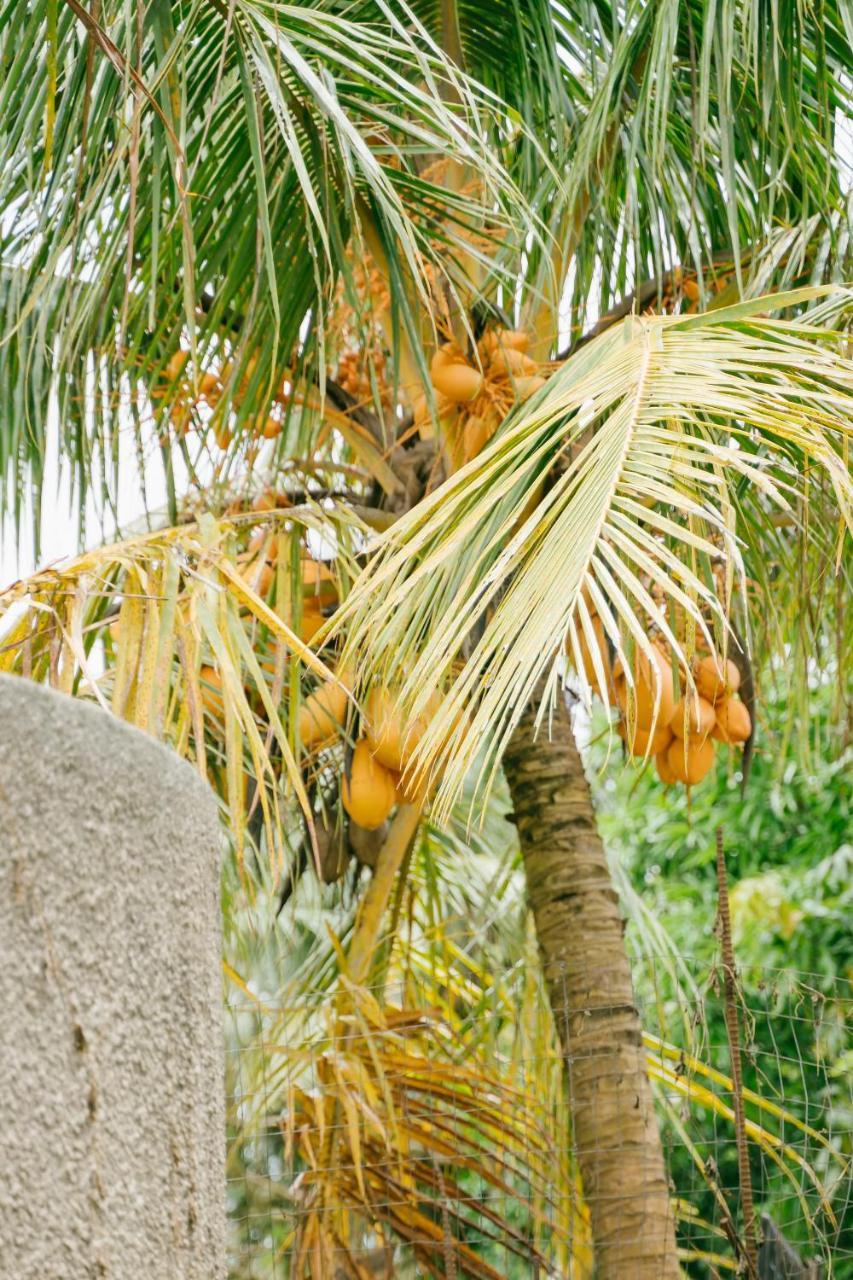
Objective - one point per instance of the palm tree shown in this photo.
(248, 235)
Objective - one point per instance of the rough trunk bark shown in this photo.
(580, 935)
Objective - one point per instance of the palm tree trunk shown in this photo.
(580, 935)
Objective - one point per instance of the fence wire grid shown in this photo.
(403, 1133)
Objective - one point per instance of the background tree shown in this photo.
(244, 231)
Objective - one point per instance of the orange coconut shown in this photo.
(526, 386)
(318, 583)
(652, 678)
(690, 759)
(715, 678)
(368, 794)
(508, 361)
(643, 743)
(322, 715)
(459, 382)
(733, 723)
(475, 436)
(665, 773)
(587, 656)
(211, 691)
(490, 342)
(311, 621)
(392, 737)
(693, 717)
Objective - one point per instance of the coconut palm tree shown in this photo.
(386, 269)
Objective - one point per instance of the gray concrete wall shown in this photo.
(111, 1059)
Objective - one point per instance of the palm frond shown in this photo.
(694, 137)
(197, 634)
(615, 490)
(191, 174)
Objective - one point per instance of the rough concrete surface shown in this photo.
(111, 1059)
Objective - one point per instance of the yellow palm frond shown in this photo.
(196, 634)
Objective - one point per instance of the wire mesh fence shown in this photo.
(423, 1128)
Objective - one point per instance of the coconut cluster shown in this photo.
(680, 733)
(377, 779)
(473, 396)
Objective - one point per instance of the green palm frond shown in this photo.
(699, 129)
(615, 490)
(204, 175)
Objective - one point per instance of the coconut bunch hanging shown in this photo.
(474, 395)
(680, 730)
(318, 601)
(377, 776)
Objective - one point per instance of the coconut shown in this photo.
(733, 722)
(716, 679)
(211, 692)
(311, 621)
(318, 583)
(460, 382)
(507, 360)
(420, 409)
(391, 738)
(652, 677)
(475, 437)
(525, 387)
(516, 339)
(693, 717)
(368, 794)
(642, 743)
(447, 353)
(690, 759)
(587, 657)
(665, 773)
(322, 714)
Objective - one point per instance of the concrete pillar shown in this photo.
(111, 1059)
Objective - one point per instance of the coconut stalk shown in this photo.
(372, 907)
